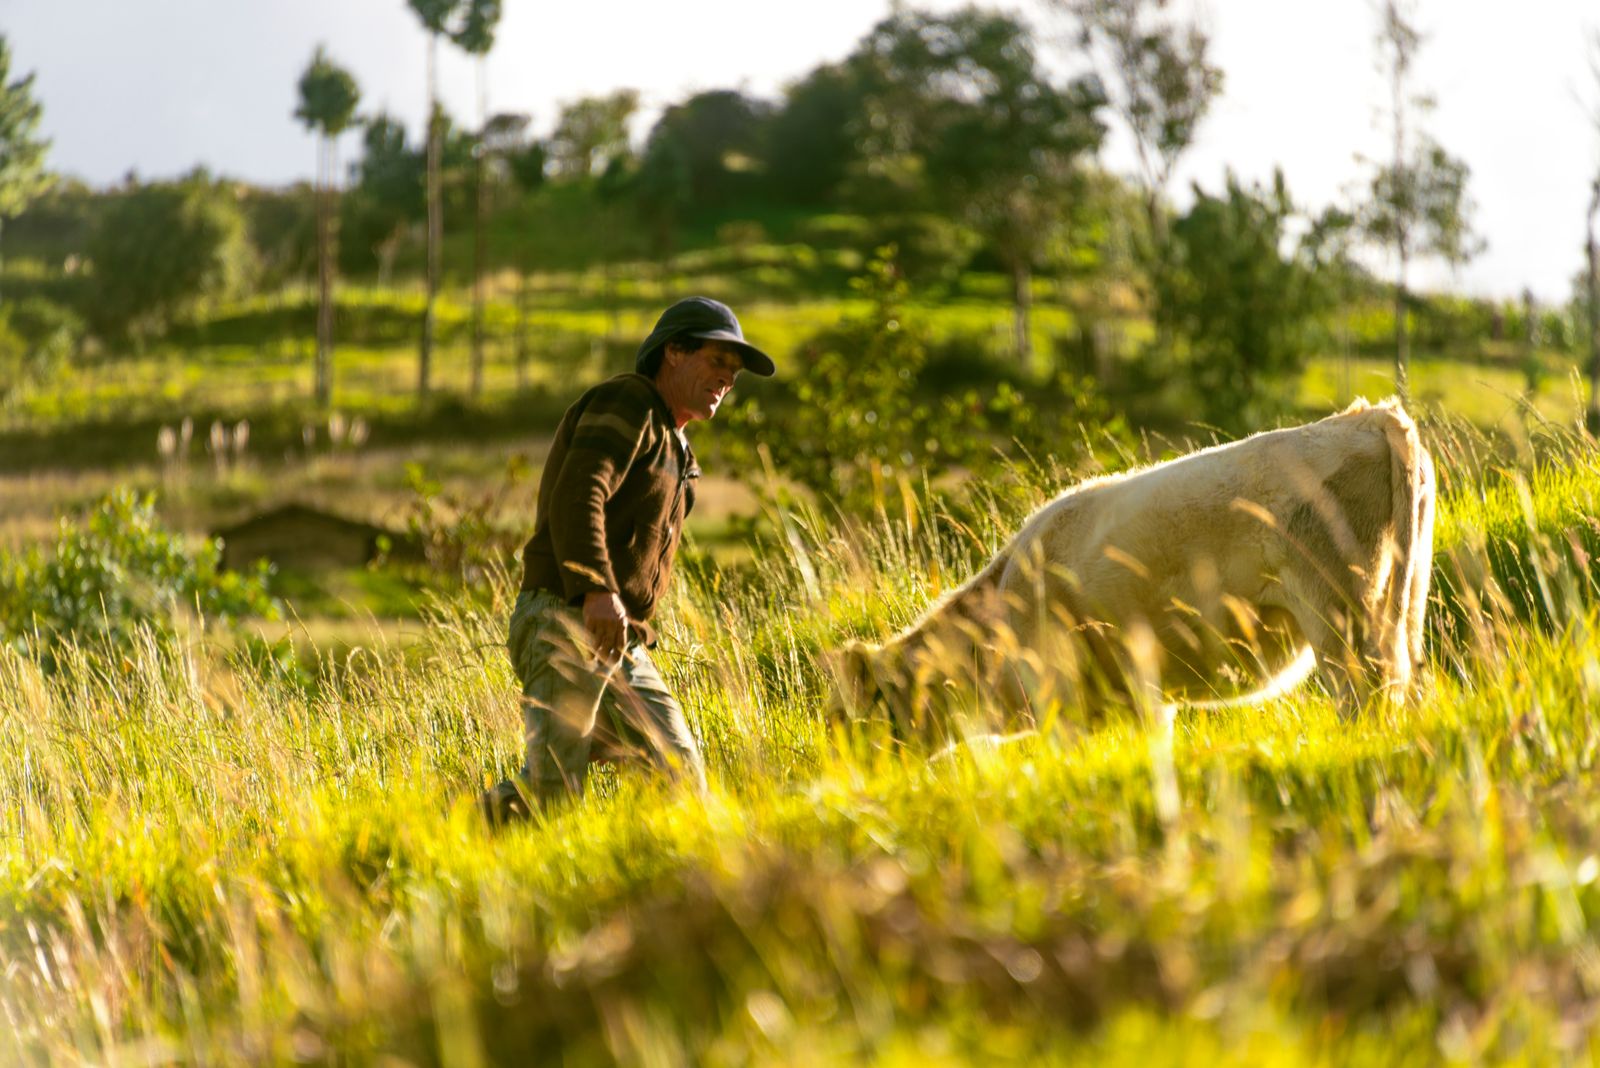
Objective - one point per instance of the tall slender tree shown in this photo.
(436, 17)
(1418, 202)
(1592, 247)
(328, 99)
(1591, 288)
(22, 151)
(1161, 83)
(475, 36)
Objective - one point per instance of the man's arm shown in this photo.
(609, 434)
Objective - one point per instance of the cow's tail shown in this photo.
(1411, 483)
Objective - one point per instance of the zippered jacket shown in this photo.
(616, 488)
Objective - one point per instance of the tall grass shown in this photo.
(209, 862)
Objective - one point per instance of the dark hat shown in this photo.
(701, 317)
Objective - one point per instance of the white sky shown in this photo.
(160, 85)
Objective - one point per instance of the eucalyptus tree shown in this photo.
(964, 100)
(1160, 83)
(328, 99)
(437, 17)
(1592, 308)
(475, 36)
(1417, 202)
(22, 151)
(592, 133)
(1590, 296)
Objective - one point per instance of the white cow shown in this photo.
(1225, 575)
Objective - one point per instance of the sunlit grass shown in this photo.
(214, 863)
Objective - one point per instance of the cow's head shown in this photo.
(857, 692)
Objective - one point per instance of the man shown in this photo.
(616, 488)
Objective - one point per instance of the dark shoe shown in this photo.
(504, 804)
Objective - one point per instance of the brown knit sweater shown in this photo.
(615, 490)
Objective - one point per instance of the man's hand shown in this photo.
(607, 622)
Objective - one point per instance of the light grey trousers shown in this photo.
(576, 711)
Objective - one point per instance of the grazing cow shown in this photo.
(1226, 575)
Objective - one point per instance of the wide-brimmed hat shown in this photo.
(711, 320)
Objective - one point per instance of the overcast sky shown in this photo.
(158, 86)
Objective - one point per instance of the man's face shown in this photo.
(695, 383)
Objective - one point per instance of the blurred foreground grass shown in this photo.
(210, 862)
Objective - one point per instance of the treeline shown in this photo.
(952, 138)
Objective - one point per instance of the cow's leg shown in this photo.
(1336, 634)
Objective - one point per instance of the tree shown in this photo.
(435, 16)
(1159, 80)
(1161, 83)
(328, 99)
(591, 133)
(1591, 286)
(22, 151)
(1417, 202)
(476, 37)
(963, 97)
(716, 135)
(159, 248)
(1244, 307)
(810, 142)
(389, 191)
(661, 191)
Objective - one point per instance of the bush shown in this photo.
(867, 411)
(1451, 326)
(1244, 307)
(931, 249)
(114, 573)
(160, 248)
(37, 338)
(836, 231)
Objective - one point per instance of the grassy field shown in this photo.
(214, 863)
(211, 858)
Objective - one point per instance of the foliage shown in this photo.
(1242, 304)
(114, 573)
(390, 174)
(160, 248)
(462, 535)
(389, 193)
(714, 137)
(1417, 201)
(1422, 201)
(811, 139)
(479, 19)
(662, 191)
(858, 423)
(328, 96)
(282, 224)
(22, 151)
(591, 133)
(961, 100)
(37, 338)
(1160, 77)
(435, 15)
(930, 249)
(512, 154)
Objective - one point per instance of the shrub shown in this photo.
(931, 249)
(1244, 307)
(160, 248)
(867, 410)
(114, 573)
